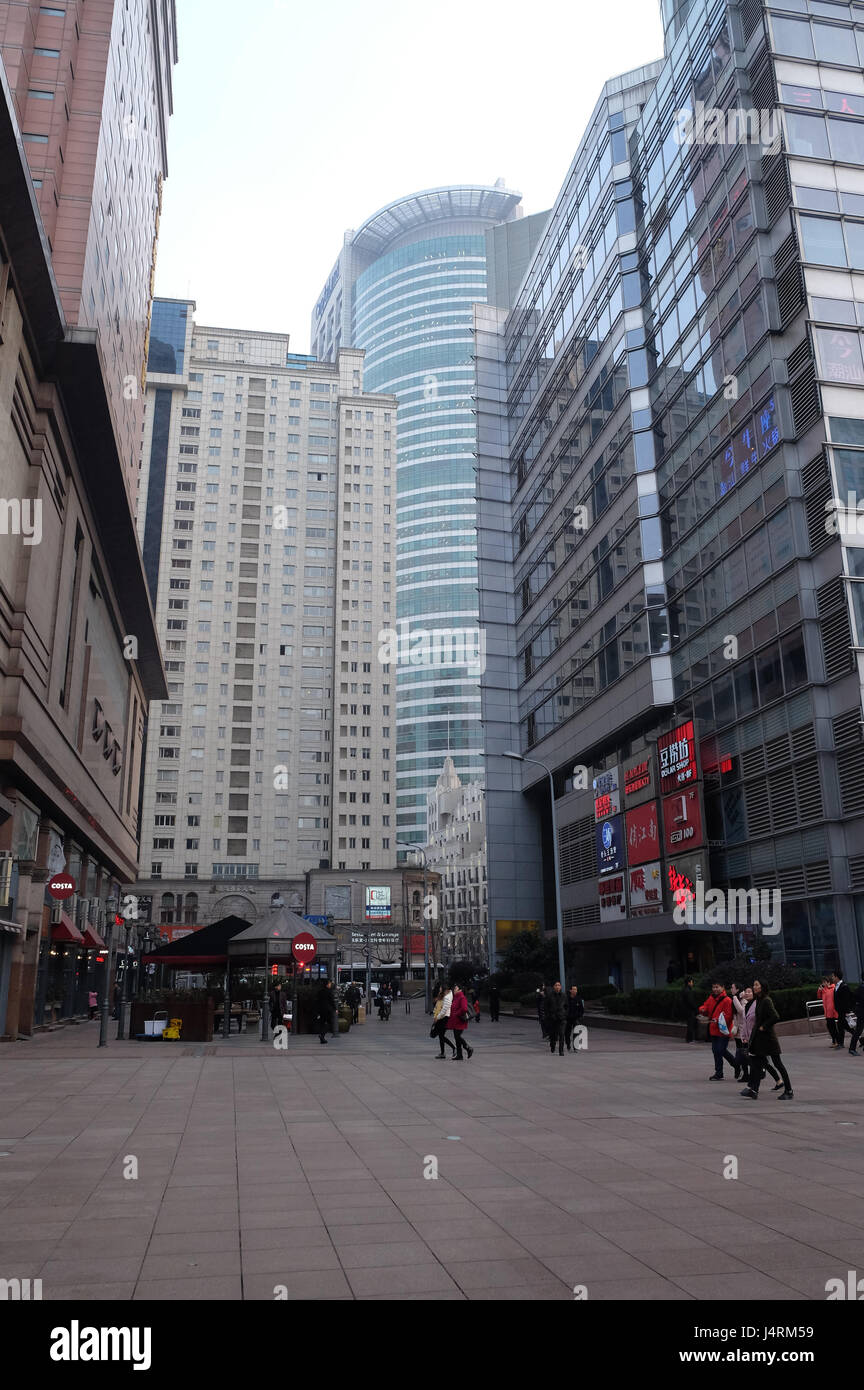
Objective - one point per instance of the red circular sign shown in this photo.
(62, 886)
(304, 948)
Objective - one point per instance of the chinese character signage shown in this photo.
(638, 780)
(613, 905)
(377, 904)
(682, 822)
(607, 800)
(610, 845)
(682, 875)
(645, 890)
(677, 753)
(641, 833)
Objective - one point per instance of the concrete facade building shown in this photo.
(91, 87)
(456, 849)
(73, 692)
(265, 522)
(403, 289)
(672, 597)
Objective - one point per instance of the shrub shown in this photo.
(527, 980)
(742, 971)
(529, 1000)
(510, 995)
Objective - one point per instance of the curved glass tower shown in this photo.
(404, 292)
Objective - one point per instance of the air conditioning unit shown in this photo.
(56, 910)
(82, 908)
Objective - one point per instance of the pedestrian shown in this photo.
(575, 1012)
(93, 1002)
(858, 1001)
(476, 1009)
(844, 1003)
(440, 1016)
(277, 1007)
(764, 1043)
(672, 971)
(826, 993)
(541, 1009)
(458, 1022)
(745, 1007)
(325, 1010)
(690, 1005)
(352, 999)
(556, 1017)
(494, 1003)
(718, 1008)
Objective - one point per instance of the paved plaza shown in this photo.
(303, 1171)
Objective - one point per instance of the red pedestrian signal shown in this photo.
(274, 969)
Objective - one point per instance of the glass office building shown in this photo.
(666, 416)
(403, 290)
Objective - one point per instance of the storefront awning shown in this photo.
(92, 938)
(12, 928)
(66, 930)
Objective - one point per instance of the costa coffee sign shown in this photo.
(61, 887)
(304, 948)
(677, 754)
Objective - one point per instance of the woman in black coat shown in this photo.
(764, 1044)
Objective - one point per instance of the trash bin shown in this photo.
(154, 1027)
(361, 1013)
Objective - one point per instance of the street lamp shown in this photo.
(416, 849)
(520, 758)
(366, 944)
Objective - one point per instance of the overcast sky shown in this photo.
(293, 122)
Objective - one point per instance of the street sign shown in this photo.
(304, 948)
(61, 886)
(316, 921)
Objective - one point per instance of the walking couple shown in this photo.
(451, 1012)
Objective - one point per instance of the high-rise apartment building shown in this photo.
(664, 420)
(267, 527)
(91, 86)
(403, 289)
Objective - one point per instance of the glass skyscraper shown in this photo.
(672, 421)
(403, 290)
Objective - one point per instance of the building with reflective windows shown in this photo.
(672, 599)
(403, 290)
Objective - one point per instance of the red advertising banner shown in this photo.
(682, 822)
(642, 834)
(677, 754)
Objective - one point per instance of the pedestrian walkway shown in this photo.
(300, 1173)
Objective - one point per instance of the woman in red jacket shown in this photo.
(458, 1021)
(718, 1007)
(826, 994)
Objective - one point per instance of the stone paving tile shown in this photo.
(75, 1270)
(429, 1279)
(611, 1163)
(313, 1284)
(289, 1259)
(225, 1288)
(90, 1293)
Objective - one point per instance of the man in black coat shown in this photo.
(858, 1003)
(556, 1016)
(326, 1002)
(575, 1010)
(352, 999)
(494, 1003)
(844, 1002)
(690, 1005)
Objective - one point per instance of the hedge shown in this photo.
(666, 1003)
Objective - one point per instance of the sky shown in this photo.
(295, 122)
